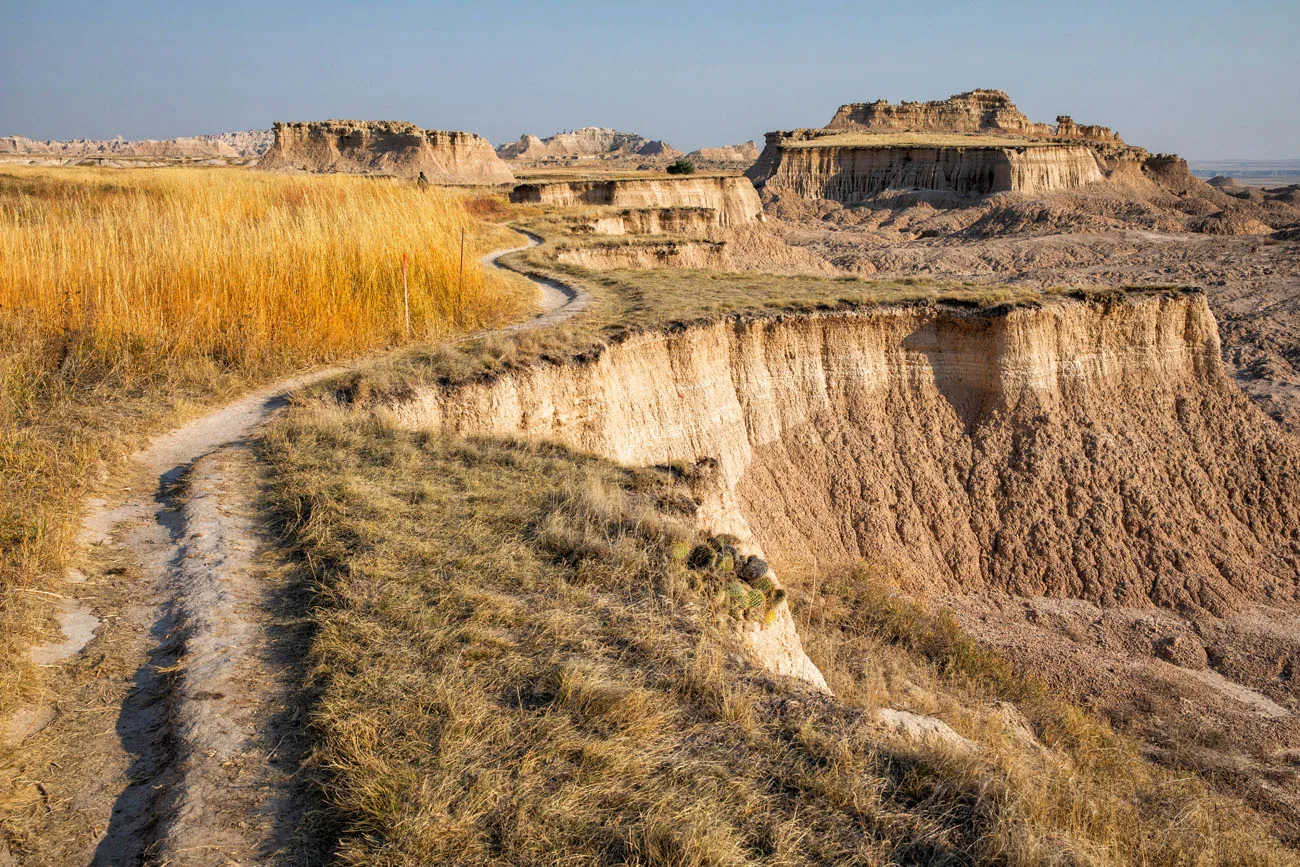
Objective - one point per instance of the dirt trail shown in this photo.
(180, 628)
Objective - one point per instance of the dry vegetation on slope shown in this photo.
(513, 666)
(125, 298)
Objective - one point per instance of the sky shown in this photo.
(1207, 80)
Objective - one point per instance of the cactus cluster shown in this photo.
(741, 583)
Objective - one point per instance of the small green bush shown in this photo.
(682, 167)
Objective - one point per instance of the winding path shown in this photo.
(200, 765)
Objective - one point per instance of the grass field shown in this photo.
(512, 667)
(128, 298)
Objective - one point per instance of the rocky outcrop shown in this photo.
(726, 156)
(1094, 450)
(815, 167)
(591, 141)
(733, 200)
(976, 111)
(648, 221)
(712, 255)
(221, 145)
(385, 148)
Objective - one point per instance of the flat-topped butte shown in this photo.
(907, 139)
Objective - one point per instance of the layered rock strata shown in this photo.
(733, 200)
(649, 221)
(227, 145)
(589, 141)
(853, 172)
(726, 156)
(976, 111)
(387, 148)
(1093, 450)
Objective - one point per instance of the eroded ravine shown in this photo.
(1079, 479)
(181, 587)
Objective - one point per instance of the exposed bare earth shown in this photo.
(1212, 690)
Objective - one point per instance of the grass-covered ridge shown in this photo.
(515, 665)
(630, 301)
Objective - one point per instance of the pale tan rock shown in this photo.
(729, 155)
(591, 141)
(385, 147)
(733, 199)
(650, 221)
(221, 145)
(986, 111)
(1098, 450)
(923, 729)
(851, 173)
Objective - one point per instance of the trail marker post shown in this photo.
(406, 297)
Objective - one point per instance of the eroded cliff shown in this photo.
(849, 170)
(388, 148)
(591, 141)
(733, 200)
(984, 111)
(1078, 449)
(726, 156)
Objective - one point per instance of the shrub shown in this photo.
(682, 167)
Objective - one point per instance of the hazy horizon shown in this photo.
(1171, 77)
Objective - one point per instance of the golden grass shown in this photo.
(249, 268)
(126, 297)
(514, 667)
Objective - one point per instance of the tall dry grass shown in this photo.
(128, 297)
(250, 269)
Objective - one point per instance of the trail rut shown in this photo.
(182, 637)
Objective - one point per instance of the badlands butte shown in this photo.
(923, 488)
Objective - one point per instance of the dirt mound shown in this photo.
(1225, 223)
(385, 148)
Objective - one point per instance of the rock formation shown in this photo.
(973, 143)
(977, 111)
(648, 221)
(1085, 449)
(386, 148)
(227, 145)
(853, 172)
(591, 141)
(725, 157)
(733, 200)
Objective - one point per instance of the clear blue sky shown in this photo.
(1204, 79)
